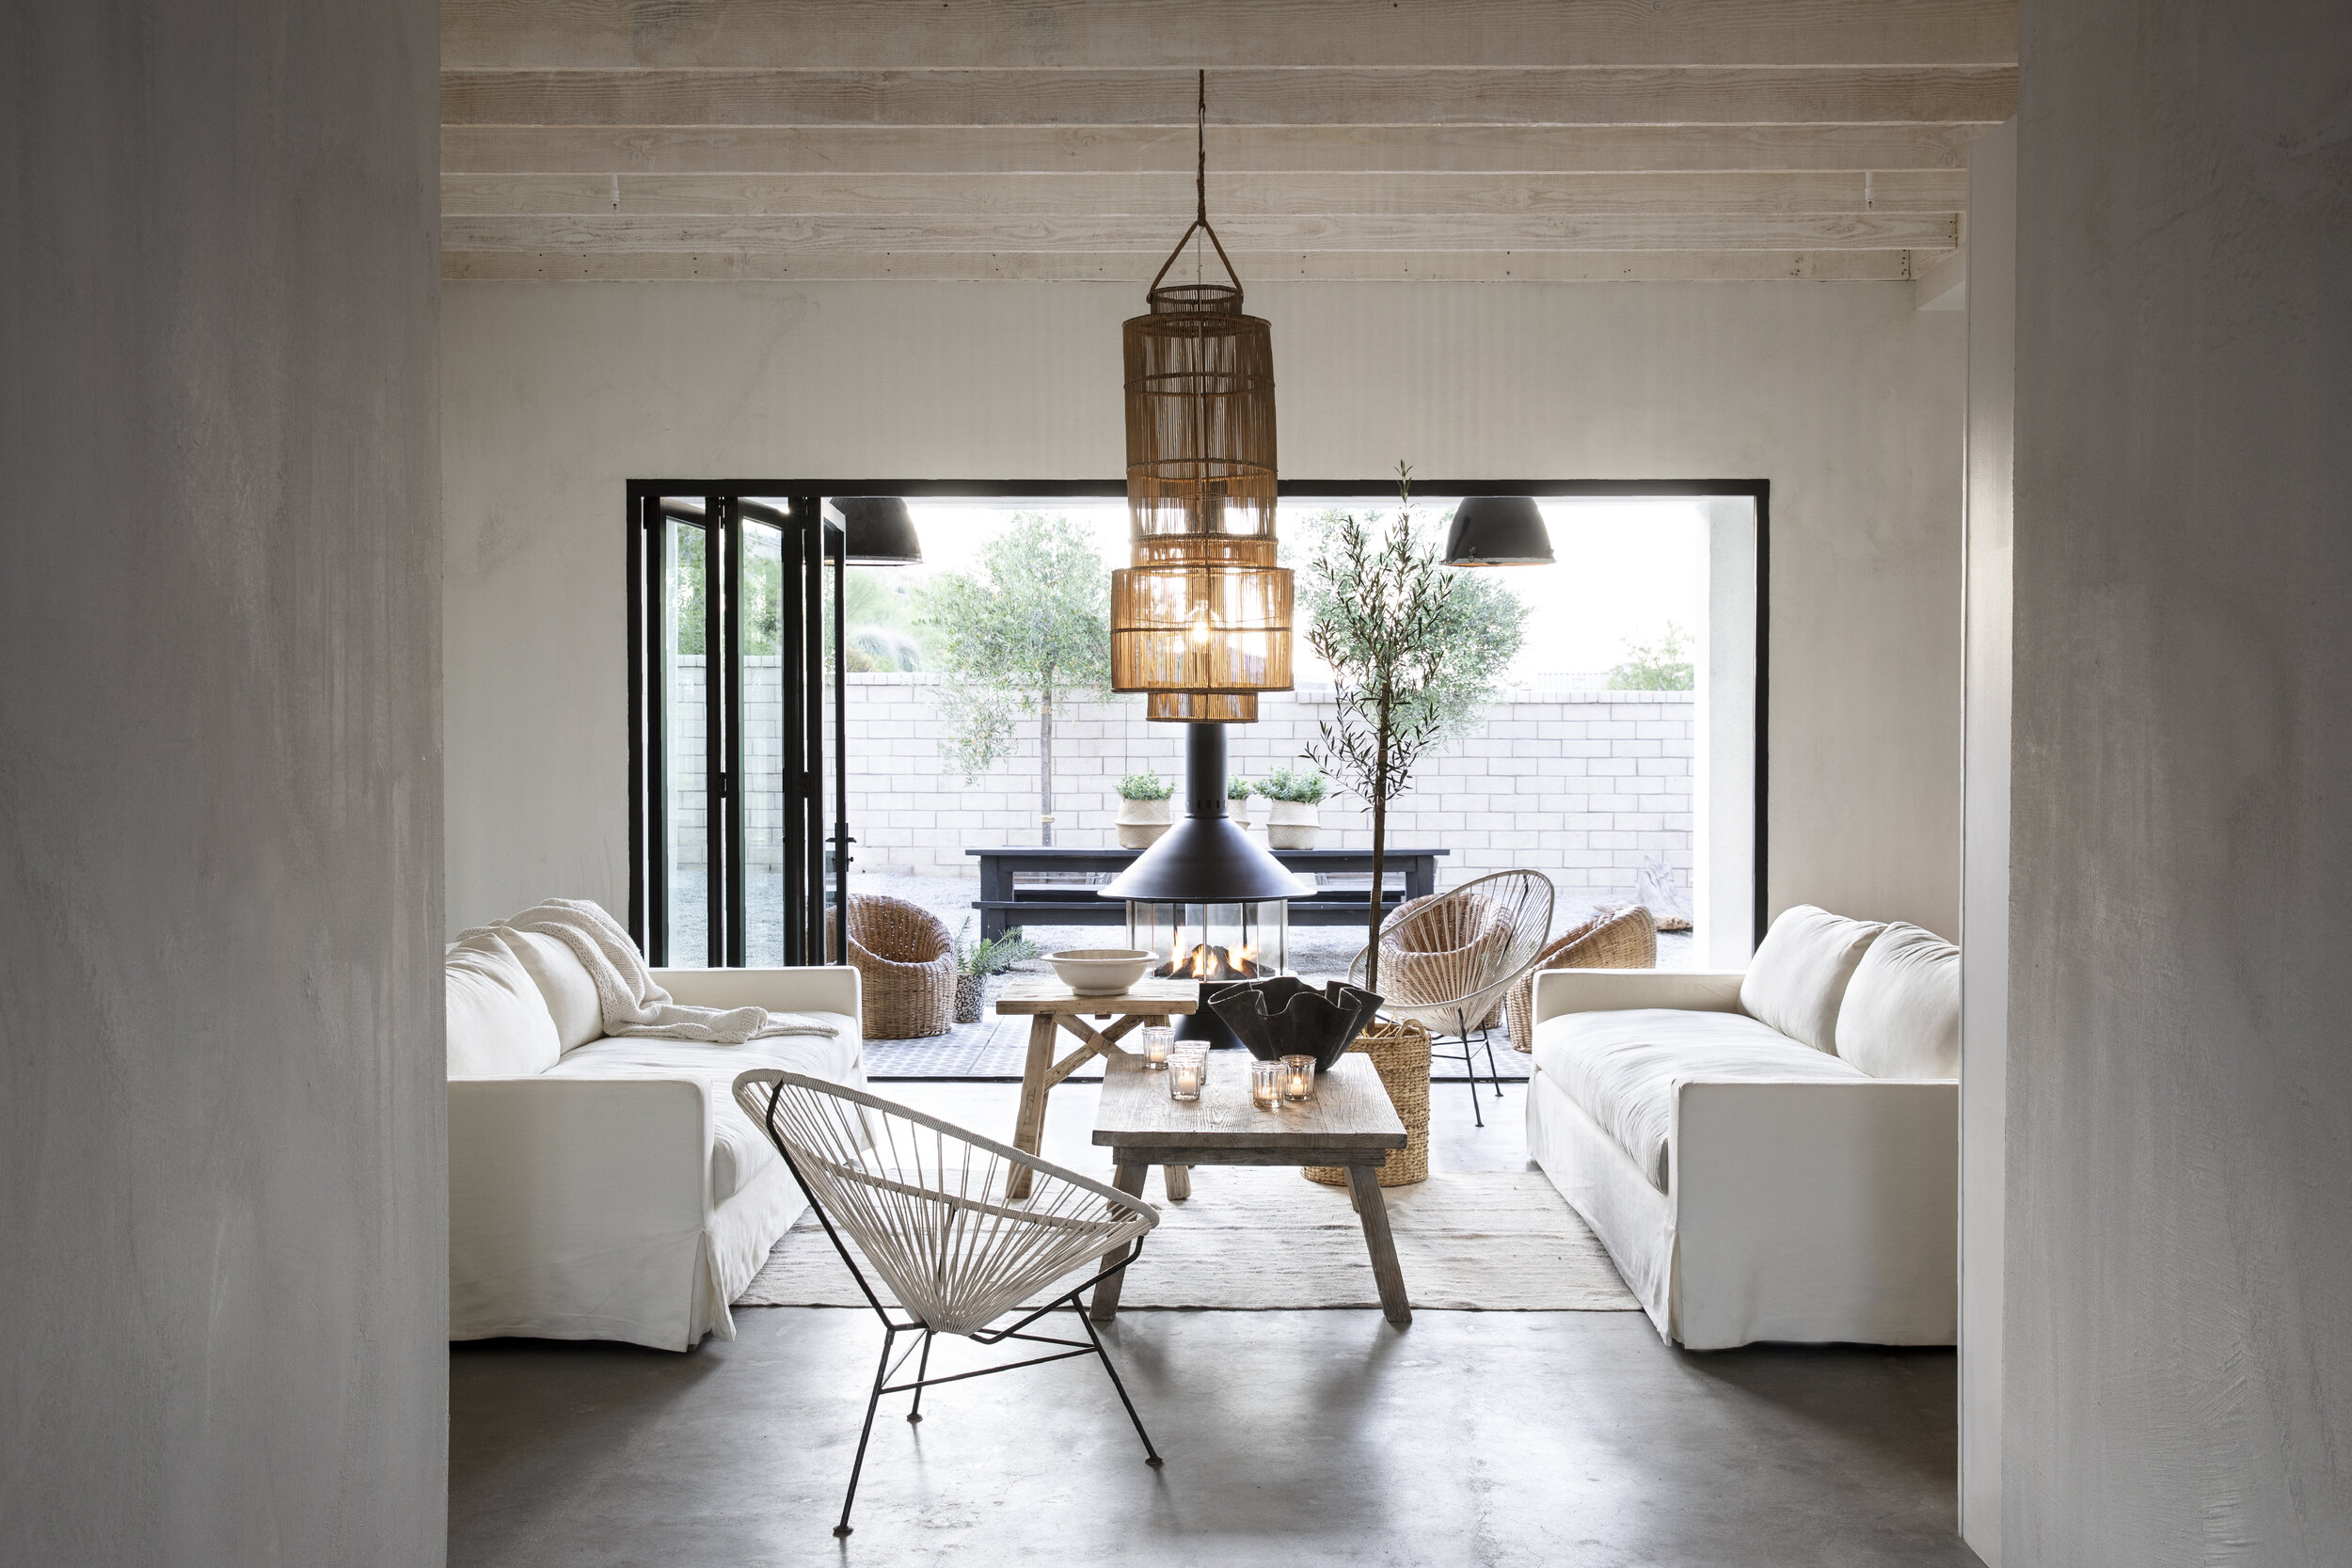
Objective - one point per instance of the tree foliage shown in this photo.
(1660, 666)
(1030, 629)
(1384, 609)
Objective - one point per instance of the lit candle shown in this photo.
(1298, 1077)
(1185, 1075)
(1266, 1084)
(1158, 1041)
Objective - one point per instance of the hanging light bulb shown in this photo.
(1201, 620)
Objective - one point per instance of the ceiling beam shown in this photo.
(1485, 232)
(1133, 268)
(1170, 197)
(1633, 95)
(1118, 149)
(868, 34)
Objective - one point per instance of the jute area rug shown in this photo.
(1262, 1239)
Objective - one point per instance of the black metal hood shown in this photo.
(1204, 859)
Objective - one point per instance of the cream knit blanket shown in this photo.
(632, 1003)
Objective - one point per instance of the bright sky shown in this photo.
(1622, 569)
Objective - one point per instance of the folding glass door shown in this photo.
(731, 685)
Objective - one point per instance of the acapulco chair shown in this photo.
(1446, 964)
(924, 1202)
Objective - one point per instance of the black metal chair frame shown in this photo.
(1468, 1058)
(893, 1327)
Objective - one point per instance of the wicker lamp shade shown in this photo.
(1201, 707)
(1201, 620)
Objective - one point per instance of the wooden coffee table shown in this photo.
(1051, 1007)
(1348, 1122)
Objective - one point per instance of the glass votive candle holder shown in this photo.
(1298, 1077)
(1159, 1041)
(1266, 1084)
(1193, 1050)
(1185, 1075)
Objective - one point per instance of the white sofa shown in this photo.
(1769, 1155)
(611, 1188)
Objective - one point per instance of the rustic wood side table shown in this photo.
(1051, 1007)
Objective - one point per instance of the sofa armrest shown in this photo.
(1610, 990)
(577, 1206)
(1816, 1210)
(810, 988)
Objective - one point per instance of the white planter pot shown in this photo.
(1292, 824)
(1141, 822)
(1239, 812)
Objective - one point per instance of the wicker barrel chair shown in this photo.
(1624, 938)
(1450, 962)
(907, 963)
(922, 1214)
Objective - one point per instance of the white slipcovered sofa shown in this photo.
(611, 1188)
(1769, 1155)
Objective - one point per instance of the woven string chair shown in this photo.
(1447, 964)
(925, 1204)
(1622, 938)
(906, 964)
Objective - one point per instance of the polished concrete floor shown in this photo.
(1292, 1439)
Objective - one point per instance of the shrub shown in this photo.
(1239, 789)
(993, 955)
(1145, 787)
(1302, 787)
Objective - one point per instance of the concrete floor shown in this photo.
(1292, 1439)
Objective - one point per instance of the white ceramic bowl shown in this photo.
(1100, 971)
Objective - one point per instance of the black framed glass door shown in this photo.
(730, 686)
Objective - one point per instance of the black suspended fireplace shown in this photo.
(1212, 904)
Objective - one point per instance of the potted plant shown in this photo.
(1237, 793)
(1294, 802)
(1143, 808)
(977, 962)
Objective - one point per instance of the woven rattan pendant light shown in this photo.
(1201, 620)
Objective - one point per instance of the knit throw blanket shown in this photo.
(632, 1003)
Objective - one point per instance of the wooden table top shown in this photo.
(1349, 1110)
(1044, 993)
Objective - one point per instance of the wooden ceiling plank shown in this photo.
(1170, 197)
(1418, 98)
(1130, 270)
(864, 35)
(1472, 232)
(1021, 149)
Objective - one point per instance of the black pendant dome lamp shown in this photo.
(878, 531)
(1498, 530)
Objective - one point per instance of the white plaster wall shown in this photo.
(223, 1277)
(1984, 876)
(1842, 395)
(2178, 1343)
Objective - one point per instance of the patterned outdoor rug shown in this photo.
(1262, 1239)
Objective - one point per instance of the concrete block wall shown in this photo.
(1585, 785)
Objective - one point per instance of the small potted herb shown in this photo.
(1143, 808)
(978, 962)
(1237, 793)
(1293, 799)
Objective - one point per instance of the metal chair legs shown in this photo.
(1468, 1058)
(885, 1366)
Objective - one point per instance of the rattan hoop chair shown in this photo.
(906, 966)
(926, 1204)
(1624, 938)
(1447, 964)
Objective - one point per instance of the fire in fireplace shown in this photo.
(1205, 962)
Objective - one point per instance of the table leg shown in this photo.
(1128, 1180)
(1175, 1180)
(1028, 1129)
(1363, 1181)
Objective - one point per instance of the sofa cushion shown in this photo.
(739, 1149)
(1622, 1068)
(1798, 977)
(564, 981)
(1901, 1018)
(498, 1025)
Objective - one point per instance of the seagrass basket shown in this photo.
(1400, 1054)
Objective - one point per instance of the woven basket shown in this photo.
(1400, 1054)
(906, 967)
(1613, 939)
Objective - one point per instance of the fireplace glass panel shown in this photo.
(1212, 941)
